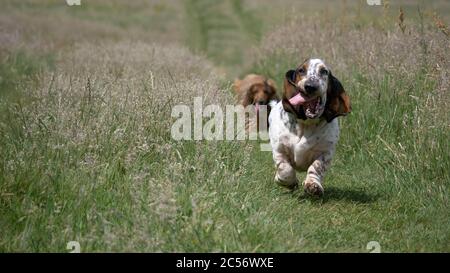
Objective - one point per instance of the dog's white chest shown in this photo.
(308, 145)
(302, 141)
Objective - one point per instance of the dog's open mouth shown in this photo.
(312, 105)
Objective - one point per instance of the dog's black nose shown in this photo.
(310, 88)
(262, 102)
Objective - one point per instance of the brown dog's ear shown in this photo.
(272, 86)
(243, 94)
(338, 103)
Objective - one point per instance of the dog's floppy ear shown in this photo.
(338, 103)
(289, 91)
(290, 77)
(272, 86)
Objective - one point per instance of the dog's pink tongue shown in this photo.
(257, 107)
(297, 100)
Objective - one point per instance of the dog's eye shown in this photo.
(301, 70)
(323, 72)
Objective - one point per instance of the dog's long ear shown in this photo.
(243, 94)
(289, 91)
(338, 103)
(273, 87)
(290, 77)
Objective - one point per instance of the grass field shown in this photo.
(86, 154)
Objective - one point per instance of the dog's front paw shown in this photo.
(292, 184)
(285, 176)
(313, 188)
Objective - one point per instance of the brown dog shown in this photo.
(255, 90)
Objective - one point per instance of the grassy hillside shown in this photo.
(86, 95)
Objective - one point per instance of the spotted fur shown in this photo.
(307, 144)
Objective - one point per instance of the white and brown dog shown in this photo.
(303, 128)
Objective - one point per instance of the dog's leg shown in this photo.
(316, 174)
(285, 175)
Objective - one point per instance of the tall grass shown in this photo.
(96, 133)
(226, 31)
(86, 152)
